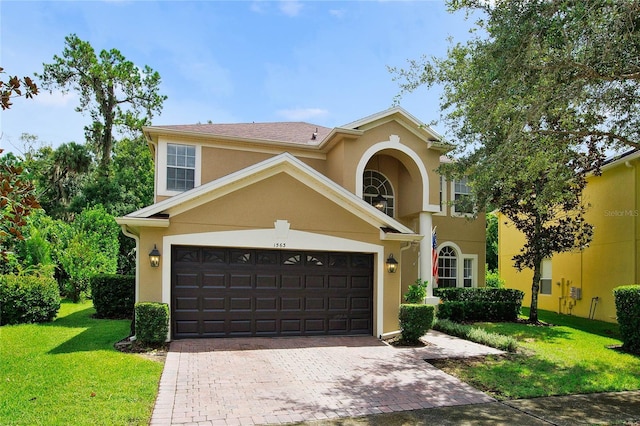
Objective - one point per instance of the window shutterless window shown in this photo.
(468, 272)
(545, 276)
(181, 167)
(447, 267)
(462, 203)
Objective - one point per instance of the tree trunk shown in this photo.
(535, 288)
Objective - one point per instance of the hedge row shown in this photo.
(113, 295)
(479, 304)
(28, 299)
(627, 300)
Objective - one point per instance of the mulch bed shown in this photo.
(154, 353)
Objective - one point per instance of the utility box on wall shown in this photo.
(575, 293)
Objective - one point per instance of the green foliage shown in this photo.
(114, 91)
(113, 295)
(478, 335)
(415, 321)
(17, 202)
(90, 248)
(416, 292)
(492, 241)
(479, 304)
(562, 92)
(15, 86)
(152, 322)
(28, 299)
(493, 280)
(627, 299)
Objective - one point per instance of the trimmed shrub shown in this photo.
(416, 292)
(415, 321)
(152, 322)
(28, 299)
(113, 295)
(478, 335)
(627, 300)
(479, 304)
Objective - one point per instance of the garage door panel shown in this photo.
(240, 304)
(186, 304)
(338, 281)
(221, 292)
(239, 281)
(291, 281)
(214, 304)
(215, 281)
(314, 281)
(266, 282)
(269, 304)
(314, 304)
(291, 304)
(184, 280)
(360, 303)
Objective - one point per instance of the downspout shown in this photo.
(403, 249)
(136, 238)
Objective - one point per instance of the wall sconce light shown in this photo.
(379, 202)
(154, 257)
(392, 264)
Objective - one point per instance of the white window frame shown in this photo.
(453, 201)
(443, 197)
(161, 180)
(546, 273)
(389, 210)
(474, 269)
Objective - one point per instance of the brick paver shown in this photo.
(283, 380)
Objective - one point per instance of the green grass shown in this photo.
(570, 357)
(67, 372)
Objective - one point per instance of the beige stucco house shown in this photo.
(276, 229)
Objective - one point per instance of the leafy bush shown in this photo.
(478, 335)
(479, 304)
(415, 321)
(416, 292)
(113, 295)
(152, 322)
(493, 280)
(28, 299)
(627, 300)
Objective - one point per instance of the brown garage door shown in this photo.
(226, 292)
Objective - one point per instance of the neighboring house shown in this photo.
(270, 229)
(581, 283)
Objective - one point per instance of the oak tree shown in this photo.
(535, 99)
(117, 94)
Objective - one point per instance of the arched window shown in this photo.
(447, 267)
(375, 184)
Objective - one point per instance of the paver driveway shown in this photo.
(282, 380)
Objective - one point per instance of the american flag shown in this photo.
(434, 256)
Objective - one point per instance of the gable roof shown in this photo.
(302, 134)
(287, 132)
(159, 214)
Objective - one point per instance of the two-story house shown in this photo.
(277, 229)
(581, 282)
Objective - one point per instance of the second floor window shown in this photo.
(462, 203)
(376, 185)
(181, 167)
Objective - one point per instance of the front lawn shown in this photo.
(570, 357)
(67, 372)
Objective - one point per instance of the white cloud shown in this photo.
(302, 114)
(290, 7)
(257, 6)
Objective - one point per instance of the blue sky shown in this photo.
(322, 62)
